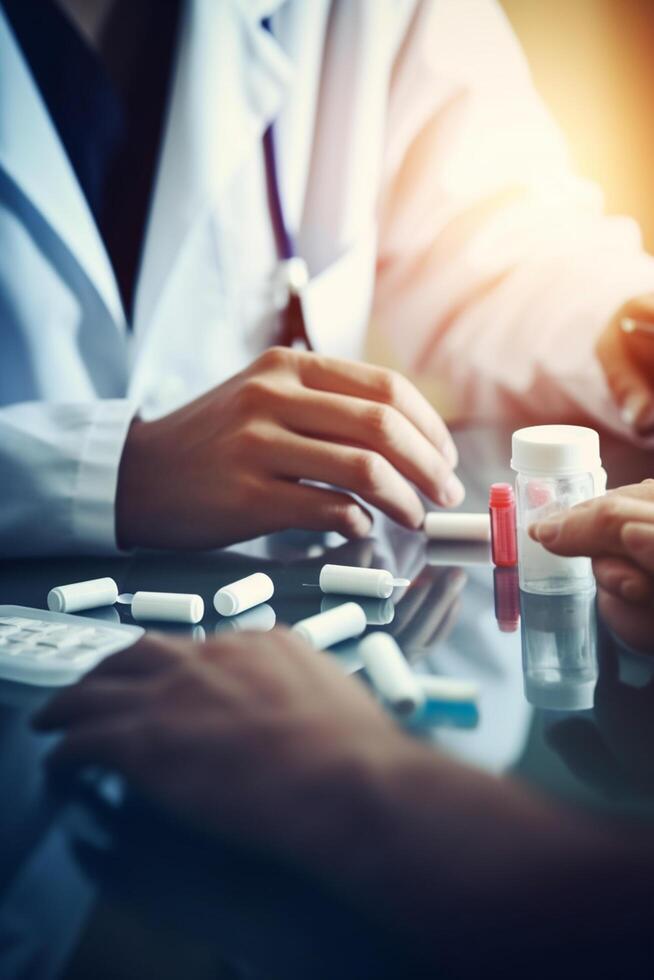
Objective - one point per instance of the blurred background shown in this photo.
(593, 63)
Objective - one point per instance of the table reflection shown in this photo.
(60, 860)
(559, 650)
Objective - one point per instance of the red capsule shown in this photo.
(504, 548)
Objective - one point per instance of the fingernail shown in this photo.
(453, 492)
(547, 531)
(633, 406)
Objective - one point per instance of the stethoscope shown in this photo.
(293, 271)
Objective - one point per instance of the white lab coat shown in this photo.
(423, 181)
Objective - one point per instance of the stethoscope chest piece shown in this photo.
(293, 275)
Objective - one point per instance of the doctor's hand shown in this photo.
(617, 532)
(626, 352)
(230, 465)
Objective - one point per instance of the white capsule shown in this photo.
(445, 526)
(351, 580)
(327, 628)
(262, 618)
(171, 607)
(390, 674)
(448, 690)
(83, 595)
(243, 594)
(376, 583)
(379, 612)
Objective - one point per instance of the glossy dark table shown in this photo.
(94, 883)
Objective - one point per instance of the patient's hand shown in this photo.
(617, 532)
(262, 740)
(255, 737)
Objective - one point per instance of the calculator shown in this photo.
(52, 649)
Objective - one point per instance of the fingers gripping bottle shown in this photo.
(557, 467)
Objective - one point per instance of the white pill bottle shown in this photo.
(557, 467)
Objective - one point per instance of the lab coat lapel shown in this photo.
(229, 82)
(35, 161)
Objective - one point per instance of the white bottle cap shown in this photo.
(243, 594)
(558, 450)
(82, 595)
(172, 607)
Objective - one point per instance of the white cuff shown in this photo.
(94, 497)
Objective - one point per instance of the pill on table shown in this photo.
(243, 594)
(352, 580)
(448, 690)
(379, 612)
(82, 595)
(390, 674)
(327, 628)
(445, 526)
(172, 607)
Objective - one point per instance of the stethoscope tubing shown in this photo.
(293, 323)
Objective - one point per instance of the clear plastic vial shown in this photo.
(557, 467)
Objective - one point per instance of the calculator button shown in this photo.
(70, 638)
(74, 655)
(23, 636)
(74, 637)
(17, 649)
(106, 636)
(39, 652)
